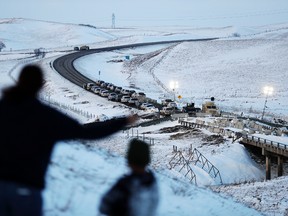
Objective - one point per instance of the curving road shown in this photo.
(64, 65)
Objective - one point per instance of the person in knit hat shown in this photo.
(136, 193)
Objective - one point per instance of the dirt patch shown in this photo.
(82, 102)
(213, 140)
(177, 128)
(179, 132)
(187, 134)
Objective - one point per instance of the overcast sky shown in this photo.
(150, 12)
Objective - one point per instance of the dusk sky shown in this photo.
(150, 12)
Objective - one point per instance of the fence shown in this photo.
(201, 161)
(178, 161)
(198, 159)
(135, 134)
(66, 107)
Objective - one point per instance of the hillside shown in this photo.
(233, 69)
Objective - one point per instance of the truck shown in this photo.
(210, 107)
(191, 109)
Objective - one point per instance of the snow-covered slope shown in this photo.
(32, 34)
(232, 69)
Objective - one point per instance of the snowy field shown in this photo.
(234, 69)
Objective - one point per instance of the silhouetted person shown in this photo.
(29, 131)
(135, 194)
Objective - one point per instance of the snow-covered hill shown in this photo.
(233, 69)
(32, 34)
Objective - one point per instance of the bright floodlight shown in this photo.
(268, 90)
(174, 84)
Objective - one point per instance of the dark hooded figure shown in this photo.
(135, 194)
(29, 131)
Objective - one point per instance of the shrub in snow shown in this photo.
(2, 45)
(236, 34)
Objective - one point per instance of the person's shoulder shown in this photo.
(125, 179)
(151, 173)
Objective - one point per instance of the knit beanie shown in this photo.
(138, 153)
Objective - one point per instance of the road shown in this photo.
(64, 65)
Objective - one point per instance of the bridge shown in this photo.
(270, 148)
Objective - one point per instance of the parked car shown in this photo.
(104, 85)
(166, 101)
(131, 92)
(125, 92)
(109, 86)
(76, 48)
(151, 108)
(112, 87)
(139, 95)
(118, 97)
(85, 47)
(125, 99)
(97, 90)
(104, 93)
(93, 88)
(112, 96)
(99, 82)
(133, 101)
(167, 111)
(143, 105)
(118, 89)
(148, 106)
(172, 105)
(100, 92)
(88, 86)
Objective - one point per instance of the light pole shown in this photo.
(174, 85)
(268, 90)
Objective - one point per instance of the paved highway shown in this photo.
(64, 65)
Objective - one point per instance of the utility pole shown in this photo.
(113, 20)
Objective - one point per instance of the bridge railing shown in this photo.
(266, 141)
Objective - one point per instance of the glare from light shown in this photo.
(174, 85)
(268, 90)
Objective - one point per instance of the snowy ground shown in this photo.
(232, 69)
